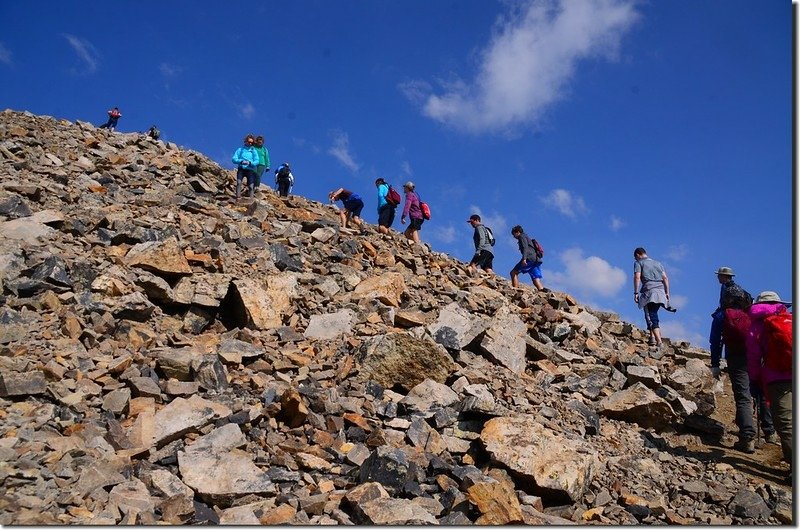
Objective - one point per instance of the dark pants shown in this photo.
(259, 172)
(110, 124)
(242, 174)
(651, 315)
(740, 383)
(386, 215)
(780, 397)
(283, 187)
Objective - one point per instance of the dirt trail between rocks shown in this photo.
(765, 464)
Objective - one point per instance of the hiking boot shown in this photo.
(745, 446)
(651, 342)
(771, 437)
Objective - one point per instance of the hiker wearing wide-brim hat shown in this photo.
(725, 271)
(730, 293)
(770, 344)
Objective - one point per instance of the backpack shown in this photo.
(426, 210)
(538, 248)
(115, 113)
(490, 236)
(777, 341)
(393, 197)
(284, 172)
(735, 329)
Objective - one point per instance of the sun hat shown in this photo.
(770, 297)
(725, 271)
(409, 184)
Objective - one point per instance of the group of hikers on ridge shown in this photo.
(252, 160)
(113, 118)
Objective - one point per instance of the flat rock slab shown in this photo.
(455, 327)
(222, 477)
(504, 341)
(17, 384)
(330, 325)
(393, 512)
(160, 257)
(388, 288)
(185, 415)
(638, 404)
(553, 464)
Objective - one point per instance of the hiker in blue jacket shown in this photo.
(246, 160)
(352, 204)
(386, 210)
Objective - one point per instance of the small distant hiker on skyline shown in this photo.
(484, 240)
(284, 180)
(351, 206)
(413, 210)
(387, 205)
(113, 117)
(531, 261)
(246, 160)
(153, 132)
(650, 275)
(263, 160)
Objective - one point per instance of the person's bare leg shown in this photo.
(538, 283)
(383, 229)
(415, 236)
(657, 334)
(514, 280)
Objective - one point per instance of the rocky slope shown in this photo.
(168, 356)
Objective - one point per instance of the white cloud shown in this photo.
(586, 276)
(678, 301)
(247, 110)
(616, 223)
(86, 53)
(340, 150)
(445, 234)
(496, 221)
(169, 70)
(677, 331)
(405, 166)
(528, 63)
(565, 202)
(678, 252)
(5, 55)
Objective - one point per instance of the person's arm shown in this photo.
(665, 279)
(334, 195)
(407, 205)
(237, 156)
(637, 281)
(715, 340)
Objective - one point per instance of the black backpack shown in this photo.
(284, 172)
(490, 235)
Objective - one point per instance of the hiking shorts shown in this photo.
(483, 259)
(416, 224)
(531, 268)
(248, 174)
(386, 215)
(354, 207)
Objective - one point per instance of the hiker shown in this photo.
(730, 325)
(246, 160)
(413, 210)
(769, 362)
(153, 132)
(113, 117)
(284, 180)
(263, 160)
(531, 259)
(653, 294)
(386, 205)
(351, 206)
(730, 293)
(484, 240)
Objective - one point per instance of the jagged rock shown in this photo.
(749, 504)
(28, 384)
(389, 288)
(249, 305)
(455, 327)
(234, 351)
(392, 512)
(646, 375)
(554, 465)
(31, 230)
(185, 415)
(400, 359)
(388, 466)
(638, 404)
(164, 258)
(504, 341)
(222, 476)
(428, 396)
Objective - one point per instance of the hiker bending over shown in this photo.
(246, 160)
(153, 132)
(351, 206)
(284, 180)
(113, 117)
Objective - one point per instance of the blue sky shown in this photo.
(599, 126)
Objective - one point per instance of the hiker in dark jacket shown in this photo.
(530, 262)
(352, 204)
(735, 349)
(484, 256)
(284, 179)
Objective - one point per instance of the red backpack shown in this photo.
(776, 339)
(393, 197)
(735, 329)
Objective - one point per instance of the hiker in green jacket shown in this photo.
(263, 160)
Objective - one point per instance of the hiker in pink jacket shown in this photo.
(776, 384)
